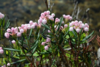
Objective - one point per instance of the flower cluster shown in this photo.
(45, 16)
(63, 25)
(1, 50)
(1, 15)
(78, 25)
(67, 17)
(17, 31)
(46, 42)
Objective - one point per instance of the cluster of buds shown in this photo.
(57, 20)
(45, 16)
(63, 25)
(67, 17)
(78, 25)
(48, 40)
(1, 50)
(17, 31)
(1, 15)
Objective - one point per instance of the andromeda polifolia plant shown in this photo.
(50, 41)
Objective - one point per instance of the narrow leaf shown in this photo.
(30, 33)
(45, 26)
(11, 49)
(87, 37)
(61, 19)
(18, 61)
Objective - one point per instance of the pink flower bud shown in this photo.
(53, 15)
(25, 28)
(35, 23)
(0, 48)
(46, 47)
(82, 25)
(43, 43)
(57, 20)
(62, 22)
(18, 34)
(48, 40)
(65, 26)
(1, 15)
(15, 30)
(80, 22)
(8, 64)
(86, 29)
(64, 16)
(51, 18)
(49, 31)
(68, 17)
(71, 24)
(21, 30)
(28, 26)
(44, 21)
(61, 27)
(77, 30)
(7, 35)
(71, 29)
(30, 22)
(13, 41)
(48, 12)
(86, 25)
(42, 14)
(40, 21)
(33, 26)
(8, 30)
(1, 51)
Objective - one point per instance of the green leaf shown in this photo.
(87, 37)
(0, 22)
(45, 26)
(66, 34)
(24, 55)
(11, 49)
(3, 22)
(74, 34)
(61, 19)
(35, 44)
(7, 24)
(30, 33)
(33, 47)
(35, 54)
(43, 53)
(18, 61)
(81, 31)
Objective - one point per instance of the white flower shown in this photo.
(71, 29)
(44, 21)
(77, 30)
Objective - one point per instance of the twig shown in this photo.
(46, 3)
